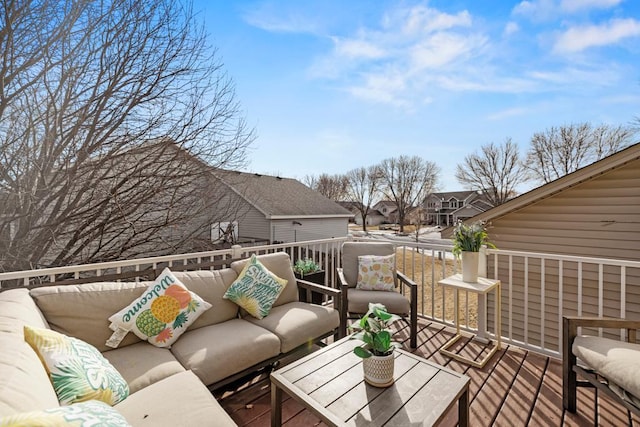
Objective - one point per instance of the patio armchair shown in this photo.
(355, 302)
(610, 365)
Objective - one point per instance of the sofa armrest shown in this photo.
(335, 294)
(344, 306)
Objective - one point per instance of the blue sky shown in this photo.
(334, 85)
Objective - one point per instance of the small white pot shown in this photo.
(378, 370)
(470, 266)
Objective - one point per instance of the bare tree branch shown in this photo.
(103, 106)
(407, 181)
(496, 171)
(362, 186)
(559, 151)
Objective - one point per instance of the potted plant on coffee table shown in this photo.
(307, 269)
(467, 241)
(373, 329)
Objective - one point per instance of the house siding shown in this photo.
(310, 229)
(598, 218)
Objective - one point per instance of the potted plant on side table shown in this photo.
(373, 329)
(307, 269)
(467, 241)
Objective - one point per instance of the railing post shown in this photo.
(482, 298)
(236, 251)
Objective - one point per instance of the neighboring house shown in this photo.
(416, 215)
(447, 208)
(374, 217)
(388, 209)
(281, 209)
(593, 212)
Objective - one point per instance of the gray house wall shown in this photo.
(284, 230)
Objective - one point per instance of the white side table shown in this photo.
(482, 287)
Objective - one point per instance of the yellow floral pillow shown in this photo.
(255, 289)
(77, 370)
(376, 273)
(163, 312)
(86, 414)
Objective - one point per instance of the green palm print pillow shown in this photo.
(161, 314)
(77, 370)
(86, 414)
(255, 289)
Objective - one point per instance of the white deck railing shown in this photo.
(537, 288)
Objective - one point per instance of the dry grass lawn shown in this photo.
(426, 272)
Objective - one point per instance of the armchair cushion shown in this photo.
(375, 272)
(352, 250)
(394, 302)
(617, 361)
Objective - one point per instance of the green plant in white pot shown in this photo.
(467, 241)
(373, 329)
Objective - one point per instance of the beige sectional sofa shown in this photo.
(168, 386)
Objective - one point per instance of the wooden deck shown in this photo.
(516, 388)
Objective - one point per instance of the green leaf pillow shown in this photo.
(161, 314)
(77, 370)
(255, 289)
(86, 414)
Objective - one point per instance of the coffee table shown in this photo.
(330, 384)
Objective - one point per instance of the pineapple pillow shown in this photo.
(86, 414)
(376, 273)
(163, 312)
(255, 289)
(77, 370)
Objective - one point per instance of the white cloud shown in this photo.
(536, 10)
(579, 38)
(576, 5)
(511, 28)
(393, 62)
(357, 48)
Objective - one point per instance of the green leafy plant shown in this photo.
(305, 266)
(470, 238)
(373, 330)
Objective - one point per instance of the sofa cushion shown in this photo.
(376, 272)
(617, 361)
(211, 286)
(82, 311)
(179, 400)
(161, 314)
(352, 250)
(297, 323)
(394, 302)
(255, 289)
(78, 371)
(142, 364)
(24, 383)
(279, 263)
(91, 413)
(218, 351)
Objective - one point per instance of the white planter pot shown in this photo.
(378, 370)
(470, 266)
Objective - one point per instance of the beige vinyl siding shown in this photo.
(598, 218)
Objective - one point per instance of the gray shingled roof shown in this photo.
(276, 196)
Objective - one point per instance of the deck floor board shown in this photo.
(516, 387)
